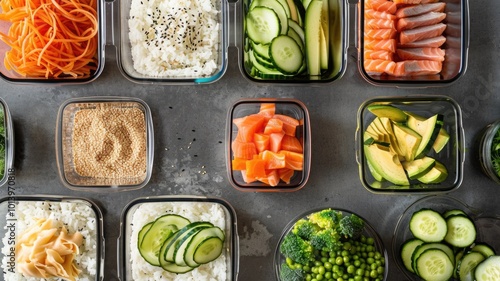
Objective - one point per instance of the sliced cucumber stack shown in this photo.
(178, 245)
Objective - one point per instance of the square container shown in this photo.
(104, 144)
(196, 209)
(294, 140)
(6, 143)
(368, 231)
(451, 156)
(17, 213)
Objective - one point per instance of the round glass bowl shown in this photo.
(141, 211)
(6, 143)
(487, 225)
(451, 155)
(368, 231)
(104, 143)
(18, 213)
(288, 123)
(486, 151)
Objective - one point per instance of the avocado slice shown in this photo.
(437, 174)
(389, 111)
(386, 164)
(428, 129)
(374, 173)
(387, 125)
(408, 140)
(441, 140)
(418, 167)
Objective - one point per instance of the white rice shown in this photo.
(174, 38)
(193, 211)
(74, 216)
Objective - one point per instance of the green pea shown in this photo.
(321, 270)
(328, 266)
(339, 260)
(380, 270)
(370, 240)
(319, 277)
(328, 275)
(373, 274)
(351, 269)
(306, 268)
(360, 272)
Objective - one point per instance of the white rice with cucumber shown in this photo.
(193, 211)
(74, 216)
(171, 38)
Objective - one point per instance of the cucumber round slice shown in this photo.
(263, 25)
(286, 54)
(197, 240)
(434, 265)
(142, 233)
(488, 270)
(461, 231)
(484, 249)
(208, 250)
(453, 212)
(428, 225)
(426, 246)
(467, 265)
(407, 251)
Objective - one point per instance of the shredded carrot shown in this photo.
(51, 38)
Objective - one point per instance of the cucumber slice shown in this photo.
(488, 270)
(261, 68)
(467, 265)
(278, 8)
(461, 231)
(428, 225)
(167, 250)
(197, 240)
(434, 265)
(407, 251)
(313, 36)
(453, 212)
(262, 25)
(208, 250)
(298, 29)
(142, 232)
(261, 50)
(484, 249)
(426, 246)
(286, 54)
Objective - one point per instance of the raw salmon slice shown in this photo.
(294, 160)
(273, 160)
(289, 123)
(268, 110)
(243, 150)
(273, 126)
(261, 142)
(407, 2)
(384, 44)
(372, 14)
(377, 67)
(378, 55)
(421, 33)
(381, 6)
(416, 10)
(417, 68)
(431, 42)
(384, 33)
(429, 18)
(379, 24)
(435, 54)
(248, 126)
(286, 174)
(291, 143)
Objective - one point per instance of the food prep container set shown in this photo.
(261, 60)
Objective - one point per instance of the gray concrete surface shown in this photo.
(184, 113)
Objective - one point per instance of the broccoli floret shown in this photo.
(351, 226)
(297, 249)
(326, 240)
(326, 218)
(304, 228)
(289, 274)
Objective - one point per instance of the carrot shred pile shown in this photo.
(51, 38)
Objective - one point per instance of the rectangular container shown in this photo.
(451, 156)
(111, 139)
(150, 208)
(6, 142)
(73, 213)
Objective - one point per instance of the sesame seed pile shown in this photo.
(109, 142)
(174, 38)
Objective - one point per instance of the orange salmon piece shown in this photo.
(383, 44)
(372, 14)
(249, 125)
(289, 123)
(275, 141)
(383, 33)
(261, 142)
(255, 168)
(416, 10)
(421, 33)
(273, 126)
(273, 160)
(246, 178)
(435, 54)
(294, 160)
(381, 6)
(286, 174)
(272, 178)
(434, 42)
(407, 2)
(238, 164)
(243, 150)
(291, 143)
(267, 109)
(379, 66)
(378, 55)
(429, 18)
(379, 24)
(417, 68)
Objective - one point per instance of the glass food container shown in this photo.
(271, 131)
(18, 213)
(489, 151)
(104, 144)
(6, 143)
(391, 168)
(196, 209)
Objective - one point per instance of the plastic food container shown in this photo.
(74, 213)
(294, 137)
(368, 231)
(104, 144)
(451, 155)
(487, 225)
(6, 142)
(486, 151)
(196, 209)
